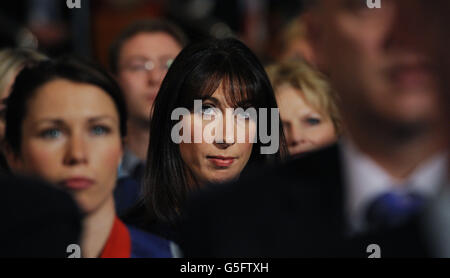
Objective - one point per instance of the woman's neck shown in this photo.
(96, 229)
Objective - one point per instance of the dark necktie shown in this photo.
(392, 209)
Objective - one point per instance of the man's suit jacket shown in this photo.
(293, 210)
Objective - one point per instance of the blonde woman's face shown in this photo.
(305, 128)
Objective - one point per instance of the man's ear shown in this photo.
(316, 38)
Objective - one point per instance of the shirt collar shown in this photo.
(128, 164)
(118, 244)
(364, 180)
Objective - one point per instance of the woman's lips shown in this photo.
(77, 183)
(221, 161)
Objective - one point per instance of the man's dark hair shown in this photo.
(30, 79)
(143, 26)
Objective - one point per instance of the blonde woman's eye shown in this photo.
(313, 121)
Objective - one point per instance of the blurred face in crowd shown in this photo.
(143, 62)
(305, 127)
(71, 137)
(379, 60)
(298, 48)
(224, 158)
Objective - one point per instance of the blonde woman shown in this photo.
(307, 105)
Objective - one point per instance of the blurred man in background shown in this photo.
(139, 59)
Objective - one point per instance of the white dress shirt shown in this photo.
(128, 164)
(437, 223)
(364, 180)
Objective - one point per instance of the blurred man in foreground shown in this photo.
(38, 220)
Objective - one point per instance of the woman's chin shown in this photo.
(218, 179)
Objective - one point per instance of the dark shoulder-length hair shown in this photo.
(69, 68)
(196, 73)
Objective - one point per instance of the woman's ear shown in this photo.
(13, 159)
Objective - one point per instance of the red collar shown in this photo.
(118, 244)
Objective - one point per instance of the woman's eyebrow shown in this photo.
(103, 117)
(62, 122)
(49, 120)
(244, 104)
(210, 98)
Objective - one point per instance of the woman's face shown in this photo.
(225, 157)
(71, 137)
(305, 128)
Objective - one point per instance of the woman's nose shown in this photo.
(227, 125)
(296, 136)
(76, 151)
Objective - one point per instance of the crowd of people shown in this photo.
(196, 149)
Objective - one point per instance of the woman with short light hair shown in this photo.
(308, 106)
